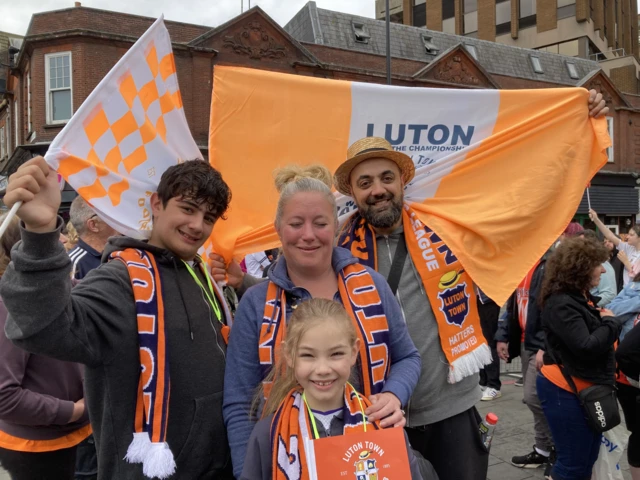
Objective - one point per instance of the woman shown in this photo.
(580, 338)
(42, 413)
(388, 364)
(629, 251)
(628, 358)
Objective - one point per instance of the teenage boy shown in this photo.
(148, 324)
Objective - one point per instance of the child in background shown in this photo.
(311, 383)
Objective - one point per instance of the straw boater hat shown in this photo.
(366, 149)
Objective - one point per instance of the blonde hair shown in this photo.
(72, 236)
(295, 179)
(305, 316)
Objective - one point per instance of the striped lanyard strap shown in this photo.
(316, 435)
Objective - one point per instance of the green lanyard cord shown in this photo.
(316, 435)
(209, 293)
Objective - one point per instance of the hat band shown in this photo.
(374, 149)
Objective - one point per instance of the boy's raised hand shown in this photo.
(35, 184)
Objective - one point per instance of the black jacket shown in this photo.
(509, 330)
(579, 339)
(628, 354)
(95, 324)
(618, 268)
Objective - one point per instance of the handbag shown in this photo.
(599, 402)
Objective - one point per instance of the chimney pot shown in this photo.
(77, 4)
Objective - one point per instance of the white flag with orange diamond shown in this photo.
(126, 134)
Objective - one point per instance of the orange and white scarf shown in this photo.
(291, 426)
(361, 300)
(448, 286)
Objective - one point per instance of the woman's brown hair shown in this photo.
(569, 268)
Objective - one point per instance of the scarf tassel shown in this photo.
(159, 461)
(138, 448)
(470, 363)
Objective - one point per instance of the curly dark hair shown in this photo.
(569, 267)
(198, 181)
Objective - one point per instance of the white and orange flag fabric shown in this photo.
(129, 130)
(499, 174)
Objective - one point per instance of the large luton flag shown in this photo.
(499, 173)
(130, 129)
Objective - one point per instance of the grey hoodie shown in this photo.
(434, 398)
(95, 324)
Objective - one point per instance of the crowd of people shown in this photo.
(337, 333)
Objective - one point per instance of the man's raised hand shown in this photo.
(35, 184)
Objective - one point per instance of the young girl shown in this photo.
(311, 396)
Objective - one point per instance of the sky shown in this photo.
(15, 16)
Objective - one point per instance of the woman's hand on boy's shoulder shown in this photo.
(386, 408)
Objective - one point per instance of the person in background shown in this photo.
(42, 412)
(72, 236)
(580, 336)
(628, 358)
(520, 333)
(606, 289)
(257, 263)
(628, 252)
(618, 266)
(489, 312)
(93, 234)
(320, 347)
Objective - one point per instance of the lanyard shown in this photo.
(208, 293)
(316, 435)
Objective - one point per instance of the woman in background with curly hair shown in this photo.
(580, 336)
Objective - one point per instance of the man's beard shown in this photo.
(386, 218)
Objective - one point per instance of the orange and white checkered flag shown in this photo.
(126, 134)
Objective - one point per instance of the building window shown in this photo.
(527, 13)
(430, 47)
(472, 50)
(59, 87)
(361, 33)
(449, 26)
(420, 14)
(610, 149)
(535, 63)
(16, 118)
(470, 6)
(503, 17)
(448, 9)
(29, 101)
(570, 48)
(573, 71)
(564, 3)
(3, 145)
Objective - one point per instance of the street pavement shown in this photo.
(513, 436)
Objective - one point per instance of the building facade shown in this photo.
(65, 53)
(603, 30)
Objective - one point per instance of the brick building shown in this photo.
(65, 54)
(603, 30)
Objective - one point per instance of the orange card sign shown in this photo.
(374, 455)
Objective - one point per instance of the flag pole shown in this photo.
(388, 25)
(588, 198)
(9, 217)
